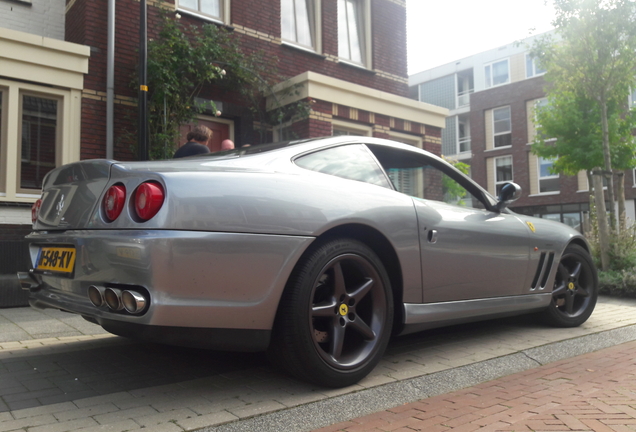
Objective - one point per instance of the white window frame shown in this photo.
(315, 17)
(458, 144)
(495, 134)
(67, 129)
(546, 177)
(488, 77)
(223, 18)
(366, 48)
(533, 66)
(512, 172)
(353, 128)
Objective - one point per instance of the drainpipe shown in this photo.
(110, 79)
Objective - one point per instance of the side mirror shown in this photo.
(510, 192)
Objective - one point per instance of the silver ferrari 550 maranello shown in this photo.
(316, 251)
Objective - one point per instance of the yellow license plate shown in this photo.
(56, 259)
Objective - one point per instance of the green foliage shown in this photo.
(623, 247)
(183, 61)
(574, 120)
(453, 191)
(620, 283)
(594, 50)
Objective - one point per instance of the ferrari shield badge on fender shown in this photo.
(531, 226)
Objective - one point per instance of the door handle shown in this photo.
(432, 236)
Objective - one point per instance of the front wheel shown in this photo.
(575, 289)
(335, 317)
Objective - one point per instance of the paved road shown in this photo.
(60, 373)
(591, 392)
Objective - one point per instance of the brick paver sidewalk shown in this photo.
(592, 392)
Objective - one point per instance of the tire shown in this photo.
(335, 317)
(575, 289)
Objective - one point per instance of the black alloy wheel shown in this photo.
(335, 318)
(575, 289)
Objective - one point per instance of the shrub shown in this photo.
(618, 283)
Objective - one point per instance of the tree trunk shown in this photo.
(601, 217)
(620, 195)
(607, 159)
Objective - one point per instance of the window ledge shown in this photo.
(302, 48)
(356, 65)
(544, 194)
(498, 148)
(203, 17)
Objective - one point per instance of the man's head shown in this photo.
(227, 144)
(200, 134)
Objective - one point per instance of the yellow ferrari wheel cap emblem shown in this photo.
(571, 285)
(343, 309)
(531, 226)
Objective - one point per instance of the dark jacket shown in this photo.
(190, 148)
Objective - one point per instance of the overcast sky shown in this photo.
(441, 31)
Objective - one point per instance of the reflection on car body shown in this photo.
(317, 251)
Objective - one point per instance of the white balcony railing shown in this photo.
(464, 144)
(463, 98)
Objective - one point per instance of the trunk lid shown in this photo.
(71, 193)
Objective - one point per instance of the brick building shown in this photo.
(357, 87)
(491, 97)
(348, 58)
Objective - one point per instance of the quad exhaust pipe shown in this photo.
(116, 299)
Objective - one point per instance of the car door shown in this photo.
(467, 251)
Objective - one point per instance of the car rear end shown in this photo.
(143, 249)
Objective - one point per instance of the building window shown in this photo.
(347, 128)
(39, 140)
(548, 182)
(503, 172)
(497, 73)
(353, 31)
(215, 9)
(532, 67)
(300, 23)
(463, 133)
(502, 127)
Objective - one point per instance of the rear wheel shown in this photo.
(334, 320)
(575, 289)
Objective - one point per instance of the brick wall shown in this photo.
(38, 17)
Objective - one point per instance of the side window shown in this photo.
(353, 162)
(298, 22)
(421, 177)
(217, 10)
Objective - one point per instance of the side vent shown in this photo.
(543, 271)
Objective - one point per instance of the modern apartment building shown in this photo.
(491, 97)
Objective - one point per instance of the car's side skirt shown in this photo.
(430, 315)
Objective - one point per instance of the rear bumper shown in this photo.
(195, 280)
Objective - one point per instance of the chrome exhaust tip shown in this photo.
(28, 280)
(96, 295)
(133, 302)
(112, 296)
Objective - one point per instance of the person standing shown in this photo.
(197, 143)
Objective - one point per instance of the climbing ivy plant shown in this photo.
(182, 62)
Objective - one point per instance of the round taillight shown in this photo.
(114, 201)
(35, 210)
(148, 200)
